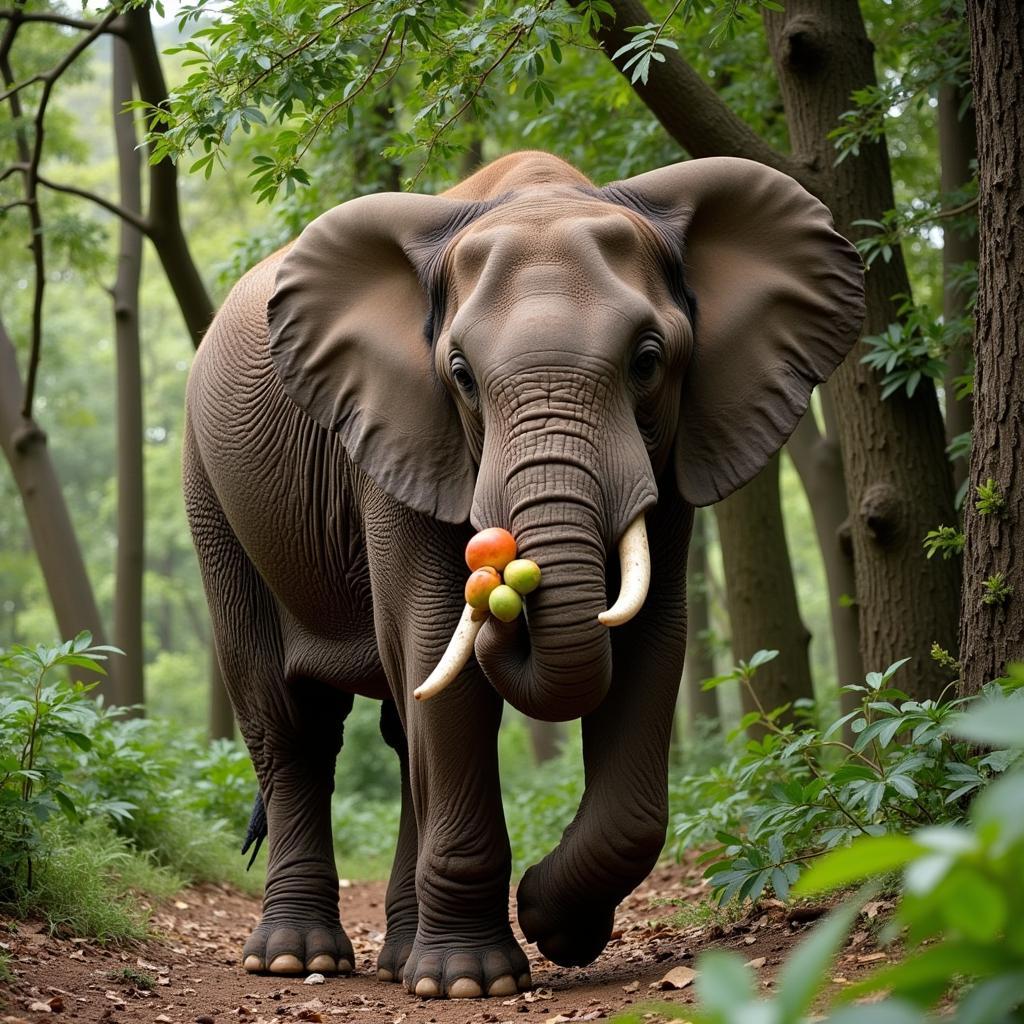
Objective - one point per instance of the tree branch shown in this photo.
(50, 18)
(164, 214)
(129, 216)
(687, 107)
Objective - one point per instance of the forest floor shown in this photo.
(195, 978)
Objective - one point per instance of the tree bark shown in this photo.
(993, 633)
(819, 465)
(130, 562)
(957, 148)
(53, 536)
(897, 479)
(699, 663)
(763, 610)
(545, 739)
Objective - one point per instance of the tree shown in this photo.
(992, 628)
(699, 663)
(130, 485)
(763, 610)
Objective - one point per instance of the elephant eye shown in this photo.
(462, 375)
(647, 360)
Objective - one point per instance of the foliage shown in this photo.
(991, 501)
(996, 591)
(38, 717)
(913, 349)
(75, 776)
(799, 790)
(946, 540)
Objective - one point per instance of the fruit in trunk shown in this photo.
(479, 586)
(494, 547)
(505, 603)
(522, 575)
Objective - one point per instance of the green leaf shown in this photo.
(974, 906)
(66, 805)
(997, 723)
(724, 984)
(863, 858)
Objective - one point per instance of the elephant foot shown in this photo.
(571, 936)
(280, 947)
(449, 969)
(393, 957)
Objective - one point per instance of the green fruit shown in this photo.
(522, 575)
(505, 603)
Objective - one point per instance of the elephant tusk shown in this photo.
(635, 561)
(454, 659)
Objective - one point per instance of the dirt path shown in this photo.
(194, 973)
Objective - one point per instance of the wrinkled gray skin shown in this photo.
(520, 352)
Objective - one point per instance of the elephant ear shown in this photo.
(348, 340)
(779, 303)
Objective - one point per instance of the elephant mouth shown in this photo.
(635, 579)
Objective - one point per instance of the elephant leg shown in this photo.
(300, 928)
(293, 732)
(463, 946)
(400, 903)
(567, 902)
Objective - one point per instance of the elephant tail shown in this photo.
(257, 830)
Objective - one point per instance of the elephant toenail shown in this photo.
(345, 966)
(464, 988)
(524, 982)
(286, 964)
(253, 963)
(383, 974)
(503, 986)
(323, 963)
(427, 988)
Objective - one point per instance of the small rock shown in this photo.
(204, 1018)
(678, 977)
(162, 1018)
(633, 986)
(315, 979)
(39, 1008)
(758, 961)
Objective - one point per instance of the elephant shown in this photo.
(579, 365)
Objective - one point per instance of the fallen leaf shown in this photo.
(79, 954)
(871, 958)
(45, 1008)
(678, 977)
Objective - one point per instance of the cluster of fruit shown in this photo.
(498, 579)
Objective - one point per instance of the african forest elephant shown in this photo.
(527, 350)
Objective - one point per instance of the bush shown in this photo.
(81, 785)
(961, 912)
(800, 790)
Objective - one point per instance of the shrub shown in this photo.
(800, 790)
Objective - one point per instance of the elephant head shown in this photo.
(536, 353)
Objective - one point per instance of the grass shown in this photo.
(5, 966)
(706, 914)
(130, 976)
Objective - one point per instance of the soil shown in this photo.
(193, 966)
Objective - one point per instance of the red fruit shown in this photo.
(494, 547)
(479, 586)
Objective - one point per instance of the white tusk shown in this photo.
(635, 562)
(454, 659)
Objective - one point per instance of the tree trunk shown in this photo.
(957, 148)
(699, 663)
(130, 562)
(545, 739)
(992, 631)
(763, 610)
(168, 238)
(897, 479)
(53, 536)
(819, 465)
